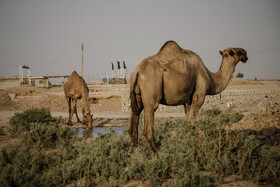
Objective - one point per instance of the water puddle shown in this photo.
(93, 133)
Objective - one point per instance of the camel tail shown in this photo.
(133, 82)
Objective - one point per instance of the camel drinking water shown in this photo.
(175, 76)
(75, 88)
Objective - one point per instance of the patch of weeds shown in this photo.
(222, 117)
(48, 136)
(22, 122)
(44, 145)
(191, 153)
(263, 165)
(213, 112)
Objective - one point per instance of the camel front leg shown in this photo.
(74, 110)
(197, 102)
(83, 113)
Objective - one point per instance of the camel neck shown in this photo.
(221, 78)
(85, 98)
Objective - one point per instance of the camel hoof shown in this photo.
(155, 150)
(69, 123)
(134, 142)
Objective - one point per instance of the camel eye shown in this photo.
(231, 53)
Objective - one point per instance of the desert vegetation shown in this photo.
(200, 152)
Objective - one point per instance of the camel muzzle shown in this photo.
(244, 59)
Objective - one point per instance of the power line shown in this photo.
(258, 51)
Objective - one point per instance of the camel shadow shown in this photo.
(101, 124)
(266, 136)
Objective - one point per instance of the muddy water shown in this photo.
(93, 133)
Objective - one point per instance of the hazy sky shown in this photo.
(47, 35)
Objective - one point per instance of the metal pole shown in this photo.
(107, 78)
(20, 75)
(83, 60)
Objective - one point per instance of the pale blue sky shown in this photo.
(47, 35)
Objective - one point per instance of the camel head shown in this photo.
(236, 54)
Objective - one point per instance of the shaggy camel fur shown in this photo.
(75, 88)
(175, 76)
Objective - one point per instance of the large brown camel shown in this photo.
(75, 88)
(175, 76)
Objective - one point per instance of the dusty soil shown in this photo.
(261, 115)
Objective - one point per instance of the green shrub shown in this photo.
(191, 153)
(213, 112)
(48, 136)
(22, 122)
(44, 145)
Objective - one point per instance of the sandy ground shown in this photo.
(258, 112)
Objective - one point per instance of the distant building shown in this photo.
(13, 81)
(42, 82)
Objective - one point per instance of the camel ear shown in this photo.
(221, 52)
(231, 53)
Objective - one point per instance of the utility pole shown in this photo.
(83, 60)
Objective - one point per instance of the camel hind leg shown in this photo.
(187, 108)
(134, 122)
(151, 84)
(69, 110)
(151, 100)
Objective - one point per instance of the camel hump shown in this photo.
(169, 51)
(170, 46)
(74, 73)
